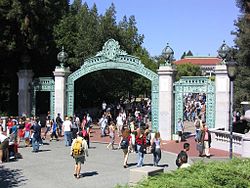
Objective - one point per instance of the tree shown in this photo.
(189, 53)
(242, 41)
(83, 32)
(187, 69)
(183, 55)
(26, 29)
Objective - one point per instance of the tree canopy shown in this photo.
(83, 32)
(26, 40)
(187, 69)
(242, 41)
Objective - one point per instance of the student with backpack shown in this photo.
(79, 149)
(125, 146)
(179, 160)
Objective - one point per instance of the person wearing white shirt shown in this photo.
(4, 147)
(66, 126)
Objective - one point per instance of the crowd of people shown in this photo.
(194, 105)
(134, 133)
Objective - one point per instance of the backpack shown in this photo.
(77, 147)
(124, 143)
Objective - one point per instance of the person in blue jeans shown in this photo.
(141, 145)
(156, 145)
(54, 131)
(36, 136)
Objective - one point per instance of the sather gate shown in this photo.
(112, 57)
(164, 108)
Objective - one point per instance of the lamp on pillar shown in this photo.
(225, 53)
(62, 57)
(168, 54)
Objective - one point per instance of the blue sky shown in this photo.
(196, 25)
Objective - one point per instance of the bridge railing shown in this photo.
(221, 140)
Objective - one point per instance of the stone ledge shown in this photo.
(137, 174)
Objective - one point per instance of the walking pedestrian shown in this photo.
(205, 141)
(103, 124)
(27, 127)
(156, 148)
(59, 123)
(125, 144)
(180, 130)
(36, 136)
(47, 126)
(141, 147)
(53, 131)
(111, 135)
(66, 129)
(79, 151)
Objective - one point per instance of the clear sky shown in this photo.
(196, 25)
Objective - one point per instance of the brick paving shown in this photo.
(168, 146)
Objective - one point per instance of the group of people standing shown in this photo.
(134, 135)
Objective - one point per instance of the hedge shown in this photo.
(228, 174)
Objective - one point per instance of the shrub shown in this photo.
(234, 173)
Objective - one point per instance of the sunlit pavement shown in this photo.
(53, 166)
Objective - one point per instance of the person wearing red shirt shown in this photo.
(141, 147)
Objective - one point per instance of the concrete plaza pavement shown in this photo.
(53, 167)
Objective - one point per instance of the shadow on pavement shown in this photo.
(89, 174)
(43, 150)
(11, 178)
(132, 164)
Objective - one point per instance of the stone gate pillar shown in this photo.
(166, 101)
(222, 97)
(24, 96)
(61, 73)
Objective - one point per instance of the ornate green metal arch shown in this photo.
(195, 84)
(112, 57)
(43, 84)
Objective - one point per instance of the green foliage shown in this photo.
(189, 53)
(26, 28)
(187, 69)
(183, 55)
(242, 86)
(234, 173)
(83, 32)
(242, 41)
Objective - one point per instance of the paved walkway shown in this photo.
(53, 166)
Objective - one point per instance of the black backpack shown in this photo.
(124, 143)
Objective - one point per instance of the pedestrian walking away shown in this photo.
(125, 144)
(66, 127)
(79, 151)
(141, 147)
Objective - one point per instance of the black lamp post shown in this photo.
(168, 54)
(224, 53)
(62, 57)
